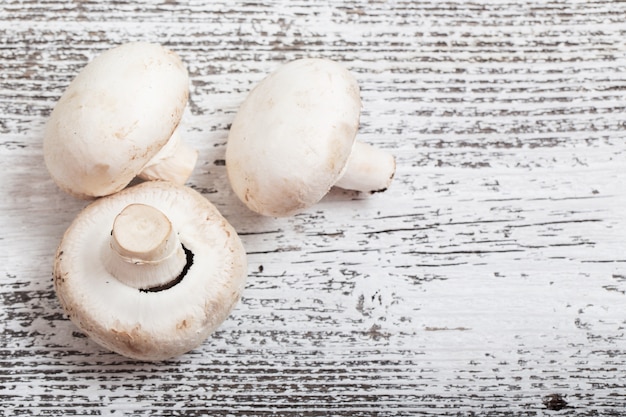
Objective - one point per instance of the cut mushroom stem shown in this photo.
(144, 251)
(368, 169)
(174, 162)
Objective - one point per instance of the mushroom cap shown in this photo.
(292, 136)
(118, 112)
(137, 323)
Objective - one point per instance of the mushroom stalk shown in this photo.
(174, 162)
(368, 169)
(144, 250)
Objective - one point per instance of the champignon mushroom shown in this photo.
(151, 271)
(117, 120)
(293, 138)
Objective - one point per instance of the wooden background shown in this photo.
(489, 280)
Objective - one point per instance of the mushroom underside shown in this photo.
(167, 320)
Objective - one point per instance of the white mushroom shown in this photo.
(293, 138)
(117, 120)
(151, 271)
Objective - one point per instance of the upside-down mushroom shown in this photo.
(293, 138)
(151, 271)
(119, 119)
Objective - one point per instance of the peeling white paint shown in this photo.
(490, 275)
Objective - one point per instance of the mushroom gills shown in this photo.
(178, 279)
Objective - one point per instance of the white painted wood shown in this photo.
(489, 279)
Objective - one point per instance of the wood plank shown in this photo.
(489, 277)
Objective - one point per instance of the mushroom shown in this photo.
(117, 120)
(294, 137)
(151, 271)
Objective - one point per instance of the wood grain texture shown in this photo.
(489, 280)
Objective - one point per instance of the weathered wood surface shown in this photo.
(491, 275)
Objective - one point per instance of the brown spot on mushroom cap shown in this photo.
(183, 324)
(130, 338)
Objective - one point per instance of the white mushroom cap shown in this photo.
(116, 118)
(151, 271)
(293, 138)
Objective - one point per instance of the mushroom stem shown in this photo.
(174, 162)
(368, 169)
(144, 250)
